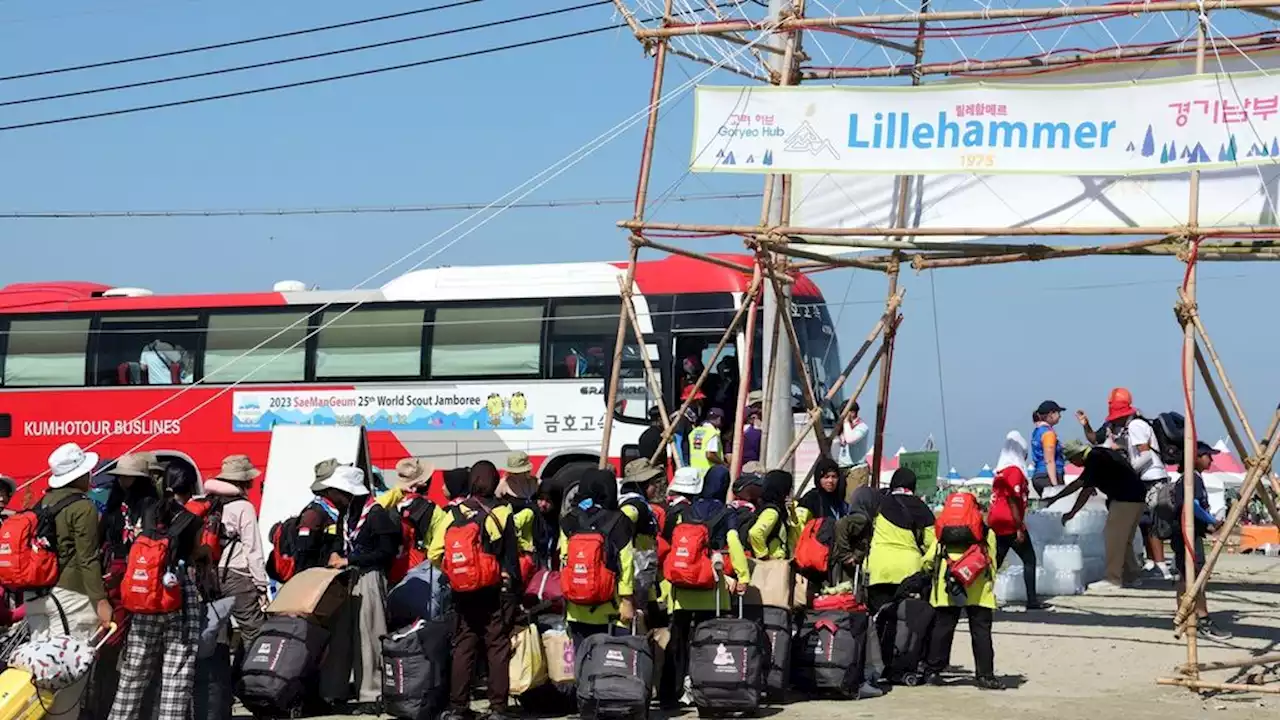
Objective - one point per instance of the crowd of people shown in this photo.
(498, 530)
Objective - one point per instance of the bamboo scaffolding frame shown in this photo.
(864, 236)
(1241, 449)
(815, 413)
(1251, 479)
(1174, 48)
(775, 239)
(642, 193)
(848, 407)
(986, 14)
(703, 257)
(1254, 448)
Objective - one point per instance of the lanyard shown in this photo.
(349, 535)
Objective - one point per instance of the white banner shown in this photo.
(1127, 128)
(1232, 197)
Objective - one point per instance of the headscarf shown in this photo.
(903, 479)
(457, 482)
(483, 480)
(600, 487)
(1014, 452)
(519, 486)
(777, 485)
(821, 503)
(904, 509)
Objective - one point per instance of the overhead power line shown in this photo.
(353, 210)
(313, 56)
(331, 78)
(237, 43)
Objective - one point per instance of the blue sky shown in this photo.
(470, 130)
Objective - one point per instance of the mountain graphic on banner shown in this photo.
(1149, 143)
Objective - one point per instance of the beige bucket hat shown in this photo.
(237, 469)
(135, 465)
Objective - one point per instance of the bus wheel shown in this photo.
(567, 479)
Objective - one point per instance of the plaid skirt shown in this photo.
(165, 643)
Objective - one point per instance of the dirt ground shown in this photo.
(1097, 658)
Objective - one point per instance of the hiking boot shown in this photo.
(1039, 605)
(989, 683)
(1208, 629)
(933, 679)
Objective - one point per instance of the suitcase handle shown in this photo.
(101, 637)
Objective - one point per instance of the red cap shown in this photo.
(1119, 404)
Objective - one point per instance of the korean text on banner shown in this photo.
(1125, 128)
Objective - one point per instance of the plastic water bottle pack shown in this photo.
(1063, 558)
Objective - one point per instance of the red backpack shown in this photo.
(209, 512)
(470, 555)
(590, 574)
(150, 586)
(29, 547)
(688, 563)
(660, 519)
(813, 547)
(281, 564)
(960, 522)
(415, 529)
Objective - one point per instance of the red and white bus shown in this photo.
(449, 364)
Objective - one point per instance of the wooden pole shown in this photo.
(1251, 479)
(1189, 379)
(744, 375)
(1255, 661)
(1195, 684)
(886, 371)
(651, 376)
(771, 377)
(642, 192)
(864, 236)
(837, 21)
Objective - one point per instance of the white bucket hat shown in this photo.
(688, 481)
(70, 463)
(347, 479)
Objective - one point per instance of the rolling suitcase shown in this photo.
(904, 639)
(280, 665)
(615, 677)
(829, 653)
(727, 665)
(776, 622)
(415, 670)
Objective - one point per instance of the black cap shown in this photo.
(1204, 448)
(654, 413)
(1049, 406)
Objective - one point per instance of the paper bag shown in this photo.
(558, 648)
(315, 593)
(770, 583)
(801, 592)
(528, 668)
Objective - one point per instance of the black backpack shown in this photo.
(1169, 428)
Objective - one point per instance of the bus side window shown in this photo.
(45, 353)
(582, 337)
(147, 350)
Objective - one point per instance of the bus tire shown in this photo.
(569, 474)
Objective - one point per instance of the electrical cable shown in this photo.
(520, 192)
(319, 80)
(352, 210)
(301, 58)
(237, 43)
